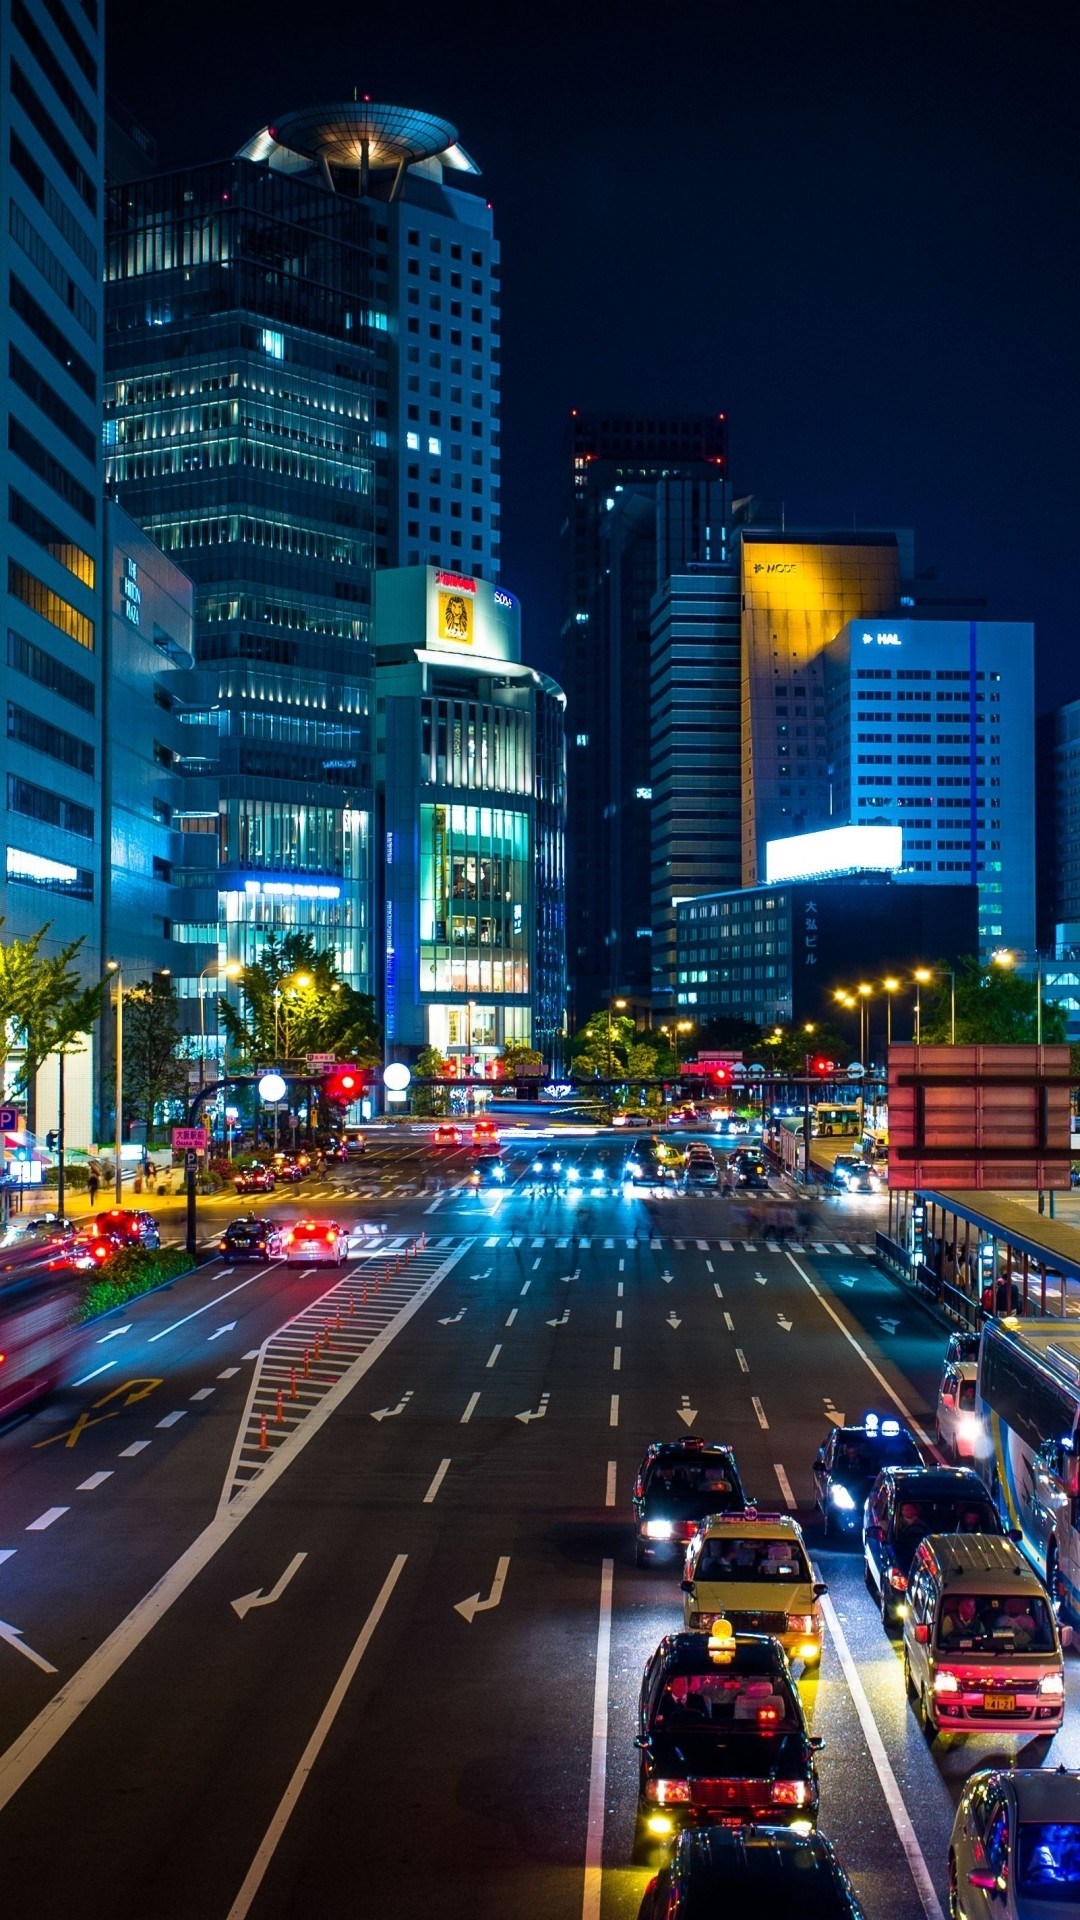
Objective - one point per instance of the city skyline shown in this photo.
(816, 263)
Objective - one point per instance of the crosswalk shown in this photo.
(610, 1242)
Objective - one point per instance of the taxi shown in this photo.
(752, 1570)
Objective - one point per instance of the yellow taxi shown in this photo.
(752, 1570)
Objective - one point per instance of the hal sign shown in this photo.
(189, 1139)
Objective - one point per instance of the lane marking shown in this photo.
(171, 1419)
(898, 1813)
(594, 1831)
(115, 1334)
(469, 1608)
(536, 1263)
(618, 1320)
(229, 1373)
(203, 1393)
(616, 1364)
(257, 1871)
(7, 1553)
(46, 1519)
(609, 1488)
(511, 1316)
(728, 1321)
(759, 1410)
(13, 1636)
(717, 1289)
(469, 1411)
(494, 1354)
(619, 1291)
(744, 1364)
(622, 1266)
(94, 1375)
(526, 1287)
(241, 1284)
(785, 1486)
(440, 1476)
(613, 1416)
(137, 1446)
(95, 1480)
(709, 1268)
(865, 1357)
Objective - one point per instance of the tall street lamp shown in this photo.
(621, 1005)
(232, 971)
(865, 990)
(1007, 957)
(681, 1026)
(113, 966)
(923, 975)
(891, 986)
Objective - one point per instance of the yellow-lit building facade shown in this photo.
(797, 594)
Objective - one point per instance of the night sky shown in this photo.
(852, 230)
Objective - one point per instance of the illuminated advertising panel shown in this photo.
(807, 856)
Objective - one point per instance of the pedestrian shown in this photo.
(93, 1182)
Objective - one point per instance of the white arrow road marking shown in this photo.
(13, 1636)
(761, 1280)
(786, 1324)
(887, 1326)
(672, 1320)
(832, 1413)
(454, 1318)
(686, 1412)
(538, 1415)
(115, 1334)
(469, 1609)
(227, 1328)
(7, 1553)
(848, 1279)
(261, 1599)
(387, 1413)
(667, 1278)
(561, 1321)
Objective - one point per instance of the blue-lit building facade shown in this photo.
(471, 769)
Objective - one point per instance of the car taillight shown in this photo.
(800, 1623)
(667, 1792)
(789, 1793)
(101, 1251)
(330, 1238)
(898, 1579)
(946, 1682)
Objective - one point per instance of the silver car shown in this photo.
(1015, 1847)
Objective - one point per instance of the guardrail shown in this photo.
(953, 1302)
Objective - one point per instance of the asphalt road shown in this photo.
(425, 1698)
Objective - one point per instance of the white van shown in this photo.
(981, 1646)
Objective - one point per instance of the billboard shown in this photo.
(973, 1118)
(809, 856)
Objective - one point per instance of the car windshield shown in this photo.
(1048, 1861)
(750, 1559)
(949, 1515)
(724, 1699)
(864, 1456)
(995, 1623)
(705, 1485)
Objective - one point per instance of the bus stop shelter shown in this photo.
(962, 1246)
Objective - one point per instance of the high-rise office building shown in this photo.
(798, 590)
(614, 554)
(51, 184)
(471, 767)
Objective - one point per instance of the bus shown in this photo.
(1028, 1400)
(831, 1120)
(37, 1337)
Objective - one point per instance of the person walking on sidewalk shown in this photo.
(93, 1182)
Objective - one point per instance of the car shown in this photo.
(485, 1133)
(845, 1166)
(907, 1503)
(316, 1243)
(700, 1171)
(722, 1737)
(286, 1168)
(250, 1237)
(355, 1145)
(632, 1120)
(750, 1179)
(862, 1179)
(133, 1226)
(337, 1154)
(962, 1346)
(446, 1135)
(1015, 1847)
(28, 1238)
(679, 1483)
(546, 1173)
(87, 1250)
(752, 1568)
(255, 1179)
(982, 1650)
(751, 1873)
(487, 1170)
(957, 1427)
(848, 1462)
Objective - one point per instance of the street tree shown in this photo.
(153, 1069)
(995, 1006)
(294, 1003)
(431, 1065)
(600, 1048)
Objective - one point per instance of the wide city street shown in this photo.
(318, 1591)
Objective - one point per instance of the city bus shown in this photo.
(1028, 1400)
(832, 1119)
(37, 1338)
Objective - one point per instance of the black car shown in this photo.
(488, 1169)
(849, 1461)
(250, 1238)
(907, 1503)
(722, 1737)
(962, 1347)
(751, 1873)
(749, 1176)
(679, 1483)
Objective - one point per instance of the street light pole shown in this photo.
(115, 967)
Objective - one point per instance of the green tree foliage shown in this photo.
(44, 1004)
(995, 1006)
(153, 1069)
(517, 1060)
(431, 1065)
(294, 1002)
(601, 1047)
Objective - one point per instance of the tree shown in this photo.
(37, 992)
(995, 1006)
(517, 1061)
(600, 1048)
(153, 1069)
(72, 1015)
(431, 1065)
(295, 1003)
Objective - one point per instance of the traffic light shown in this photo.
(344, 1085)
(824, 1066)
(722, 1076)
(52, 1139)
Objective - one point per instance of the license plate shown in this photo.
(1000, 1703)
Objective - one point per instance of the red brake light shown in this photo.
(100, 1251)
(330, 1238)
(768, 1716)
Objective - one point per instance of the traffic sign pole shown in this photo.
(191, 1161)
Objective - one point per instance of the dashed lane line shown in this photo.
(760, 1411)
(47, 1519)
(863, 1355)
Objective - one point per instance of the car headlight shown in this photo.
(537, 1166)
(968, 1427)
(658, 1529)
(572, 1174)
(633, 1169)
(946, 1682)
(841, 1498)
(1052, 1686)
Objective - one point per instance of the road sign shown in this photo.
(191, 1160)
(185, 1138)
(9, 1119)
(855, 1071)
(318, 1062)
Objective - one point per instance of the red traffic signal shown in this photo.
(344, 1085)
(824, 1066)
